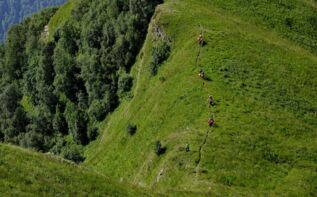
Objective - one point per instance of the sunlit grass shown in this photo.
(26, 173)
(265, 92)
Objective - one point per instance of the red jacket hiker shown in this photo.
(211, 122)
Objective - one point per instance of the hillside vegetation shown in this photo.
(95, 74)
(27, 173)
(58, 83)
(262, 74)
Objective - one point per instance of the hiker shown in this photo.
(210, 100)
(201, 74)
(200, 39)
(211, 122)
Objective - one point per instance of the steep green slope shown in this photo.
(27, 173)
(264, 85)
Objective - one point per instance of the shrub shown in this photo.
(125, 83)
(159, 54)
(73, 152)
(153, 69)
(67, 148)
(162, 79)
(159, 149)
(131, 129)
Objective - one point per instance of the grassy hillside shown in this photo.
(261, 64)
(27, 173)
(264, 83)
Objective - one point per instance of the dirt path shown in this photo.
(198, 56)
(200, 152)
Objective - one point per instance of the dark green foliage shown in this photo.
(12, 117)
(14, 56)
(73, 152)
(92, 133)
(15, 125)
(33, 140)
(68, 36)
(81, 8)
(67, 149)
(9, 100)
(98, 110)
(19, 119)
(131, 129)
(159, 149)
(41, 120)
(159, 54)
(77, 123)
(59, 122)
(1, 60)
(125, 83)
(162, 79)
(74, 81)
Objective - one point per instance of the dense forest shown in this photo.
(13, 11)
(55, 92)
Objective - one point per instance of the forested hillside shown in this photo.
(54, 92)
(13, 11)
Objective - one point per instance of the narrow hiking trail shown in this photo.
(137, 85)
(197, 56)
(201, 45)
(200, 152)
(200, 149)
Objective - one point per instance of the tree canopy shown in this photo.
(54, 92)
